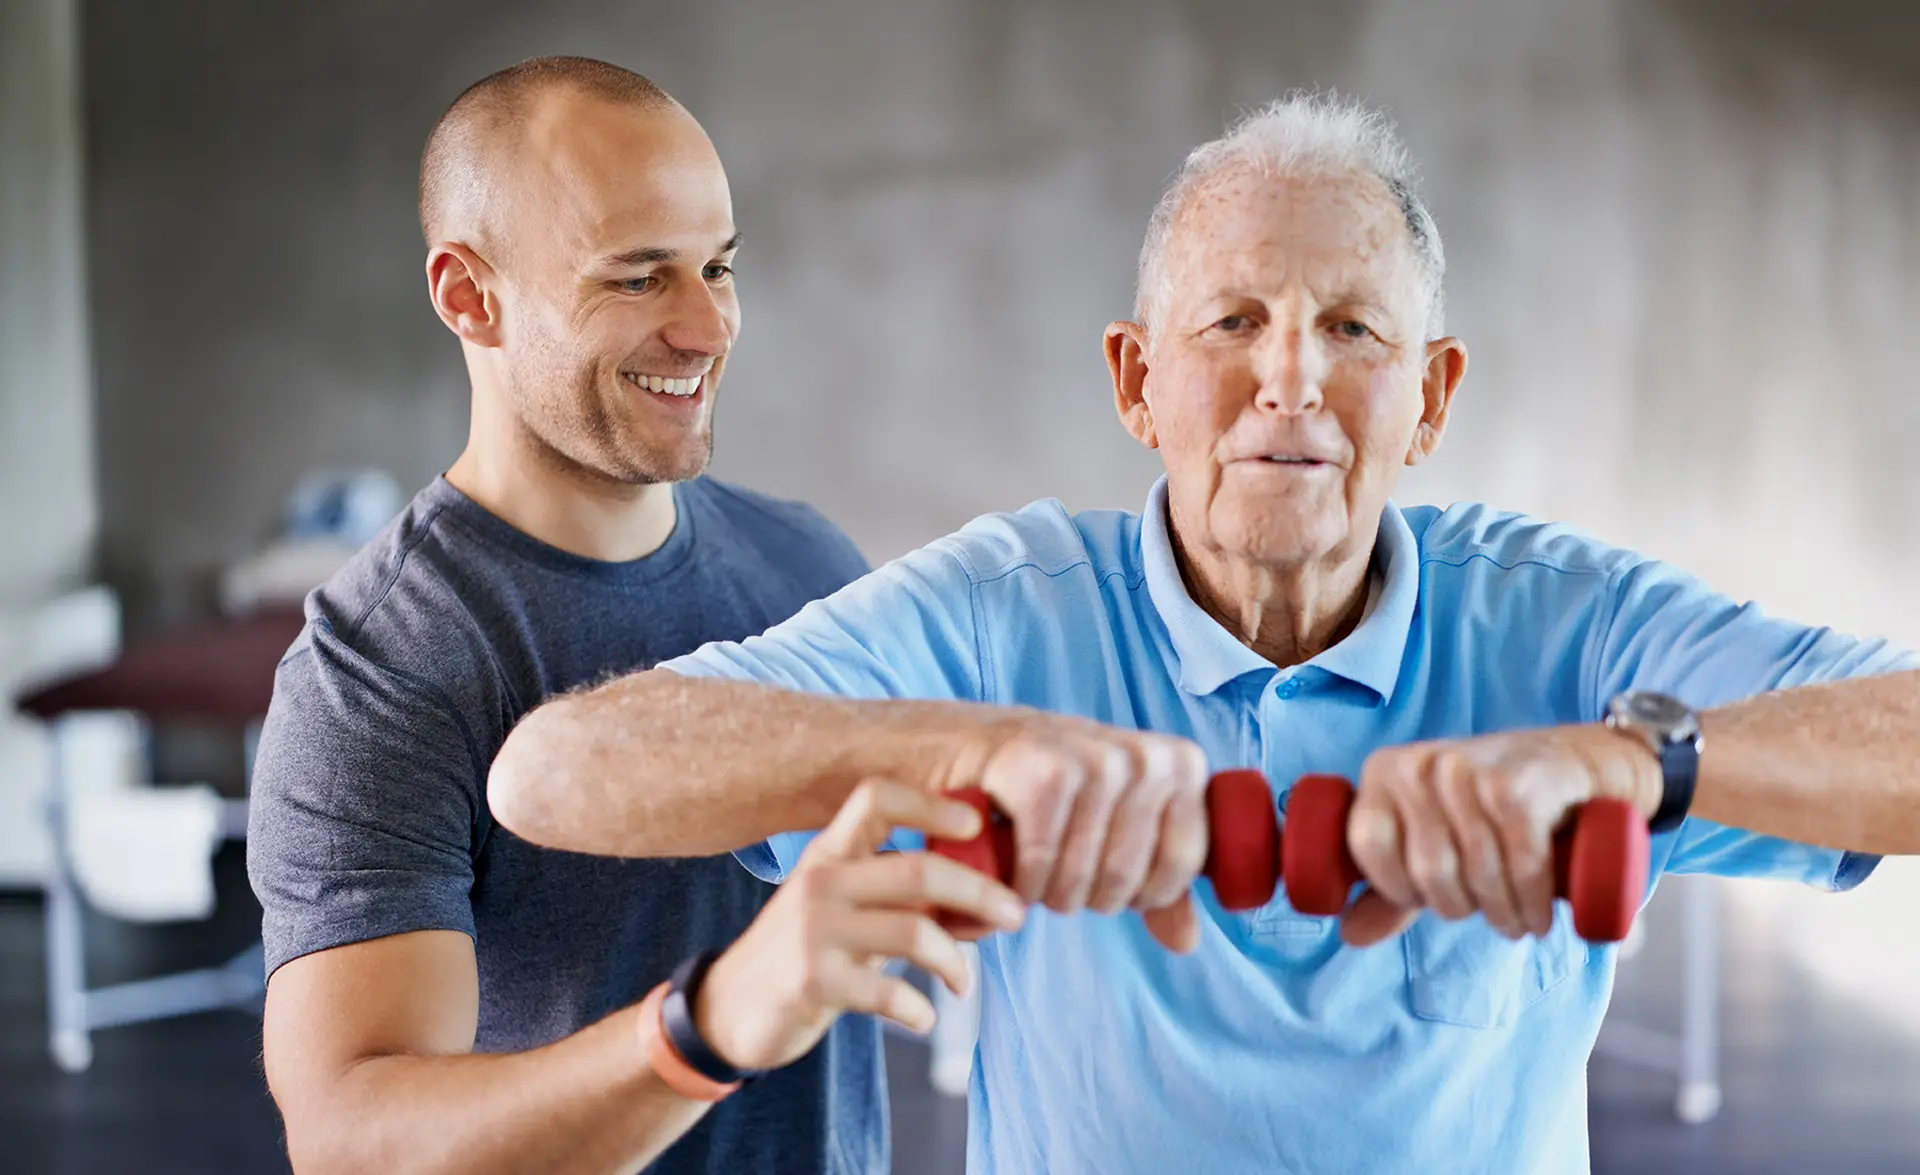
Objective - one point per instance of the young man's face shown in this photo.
(618, 306)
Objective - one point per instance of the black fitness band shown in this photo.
(676, 1020)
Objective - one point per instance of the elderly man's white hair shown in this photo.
(1301, 134)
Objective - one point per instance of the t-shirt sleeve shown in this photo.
(363, 808)
(904, 631)
(1670, 633)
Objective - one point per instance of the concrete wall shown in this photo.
(46, 423)
(1684, 241)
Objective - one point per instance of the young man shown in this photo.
(580, 242)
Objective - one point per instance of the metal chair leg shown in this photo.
(70, 1041)
(1699, 1097)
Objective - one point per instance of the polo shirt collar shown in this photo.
(1209, 656)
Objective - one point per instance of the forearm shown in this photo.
(1835, 765)
(658, 764)
(586, 1105)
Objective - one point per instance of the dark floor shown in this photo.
(1814, 1083)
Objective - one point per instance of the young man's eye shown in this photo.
(636, 285)
(718, 272)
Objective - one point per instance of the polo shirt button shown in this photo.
(1289, 688)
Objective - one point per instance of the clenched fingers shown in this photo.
(1483, 857)
(1374, 837)
(1159, 843)
(1110, 771)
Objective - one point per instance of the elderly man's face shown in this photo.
(1286, 377)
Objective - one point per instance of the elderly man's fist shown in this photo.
(1103, 818)
(1466, 825)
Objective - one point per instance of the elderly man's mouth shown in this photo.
(1288, 463)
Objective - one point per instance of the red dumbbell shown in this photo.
(1600, 856)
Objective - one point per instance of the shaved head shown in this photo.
(475, 144)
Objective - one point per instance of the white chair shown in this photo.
(220, 672)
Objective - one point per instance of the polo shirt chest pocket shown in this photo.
(1465, 973)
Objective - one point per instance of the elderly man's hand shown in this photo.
(1465, 825)
(1103, 818)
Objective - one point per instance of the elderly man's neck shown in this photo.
(1286, 614)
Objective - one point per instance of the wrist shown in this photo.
(679, 1018)
(1636, 776)
(712, 1017)
(960, 742)
(665, 1059)
(1670, 732)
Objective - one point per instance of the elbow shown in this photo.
(308, 1157)
(523, 783)
(322, 1141)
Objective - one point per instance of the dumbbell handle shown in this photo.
(1600, 856)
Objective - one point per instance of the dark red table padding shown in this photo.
(219, 673)
(1600, 856)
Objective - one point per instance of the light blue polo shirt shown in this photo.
(1273, 1048)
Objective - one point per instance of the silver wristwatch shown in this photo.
(1671, 730)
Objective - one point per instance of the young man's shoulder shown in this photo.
(412, 611)
(791, 531)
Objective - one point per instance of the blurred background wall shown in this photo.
(46, 420)
(1684, 236)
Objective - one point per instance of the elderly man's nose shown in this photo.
(698, 323)
(1291, 366)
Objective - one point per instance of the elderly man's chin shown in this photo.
(1291, 532)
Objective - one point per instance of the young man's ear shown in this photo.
(1127, 363)
(460, 283)
(1446, 366)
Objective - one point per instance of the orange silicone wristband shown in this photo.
(671, 1067)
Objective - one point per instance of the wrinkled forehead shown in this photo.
(1337, 234)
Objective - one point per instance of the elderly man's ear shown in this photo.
(1446, 365)
(1126, 362)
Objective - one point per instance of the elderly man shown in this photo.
(1481, 673)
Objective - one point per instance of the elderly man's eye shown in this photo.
(1234, 322)
(1352, 329)
(636, 285)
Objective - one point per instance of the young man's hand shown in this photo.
(817, 949)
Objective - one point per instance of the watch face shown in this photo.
(1655, 709)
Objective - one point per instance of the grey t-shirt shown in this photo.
(369, 813)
